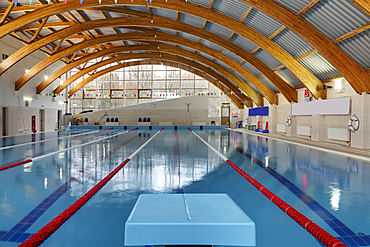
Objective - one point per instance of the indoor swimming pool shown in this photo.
(330, 190)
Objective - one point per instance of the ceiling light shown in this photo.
(27, 98)
(27, 70)
(46, 77)
(61, 82)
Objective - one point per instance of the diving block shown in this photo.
(188, 219)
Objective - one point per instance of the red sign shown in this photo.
(306, 93)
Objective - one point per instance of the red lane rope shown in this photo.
(45, 232)
(15, 164)
(189, 128)
(316, 231)
(134, 129)
(107, 129)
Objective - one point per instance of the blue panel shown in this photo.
(259, 111)
(269, 84)
(239, 75)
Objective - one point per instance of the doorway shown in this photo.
(4, 130)
(42, 120)
(59, 117)
(225, 114)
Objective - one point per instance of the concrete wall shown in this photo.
(13, 100)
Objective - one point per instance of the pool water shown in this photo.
(330, 190)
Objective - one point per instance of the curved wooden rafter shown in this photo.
(270, 96)
(308, 79)
(288, 92)
(164, 37)
(238, 101)
(175, 50)
(356, 76)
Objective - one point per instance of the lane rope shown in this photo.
(320, 234)
(28, 143)
(39, 237)
(63, 150)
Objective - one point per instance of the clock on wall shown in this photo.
(152, 105)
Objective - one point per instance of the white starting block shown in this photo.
(188, 219)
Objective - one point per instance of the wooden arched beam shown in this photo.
(238, 102)
(135, 36)
(177, 60)
(288, 92)
(114, 50)
(307, 78)
(175, 50)
(356, 76)
(266, 92)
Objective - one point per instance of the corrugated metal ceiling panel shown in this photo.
(266, 58)
(269, 84)
(186, 48)
(240, 76)
(203, 3)
(210, 45)
(243, 43)
(217, 29)
(293, 5)
(132, 43)
(138, 8)
(254, 88)
(191, 20)
(289, 77)
(188, 36)
(251, 69)
(261, 23)
(92, 15)
(334, 18)
(114, 15)
(165, 13)
(231, 55)
(319, 66)
(358, 48)
(205, 55)
(230, 8)
(166, 31)
(223, 65)
(292, 43)
(105, 31)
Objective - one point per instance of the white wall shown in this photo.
(13, 100)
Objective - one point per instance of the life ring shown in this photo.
(353, 123)
(288, 121)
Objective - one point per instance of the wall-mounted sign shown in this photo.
(234, 114)
(307, 95)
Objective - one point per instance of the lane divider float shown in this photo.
(39, 237)
(320, 234)
(28, 143)
(59, 151)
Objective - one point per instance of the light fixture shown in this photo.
(60, 102)
(46, 77)
(61, 82)
(27, 70)
(27, 98)
(339, 85)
